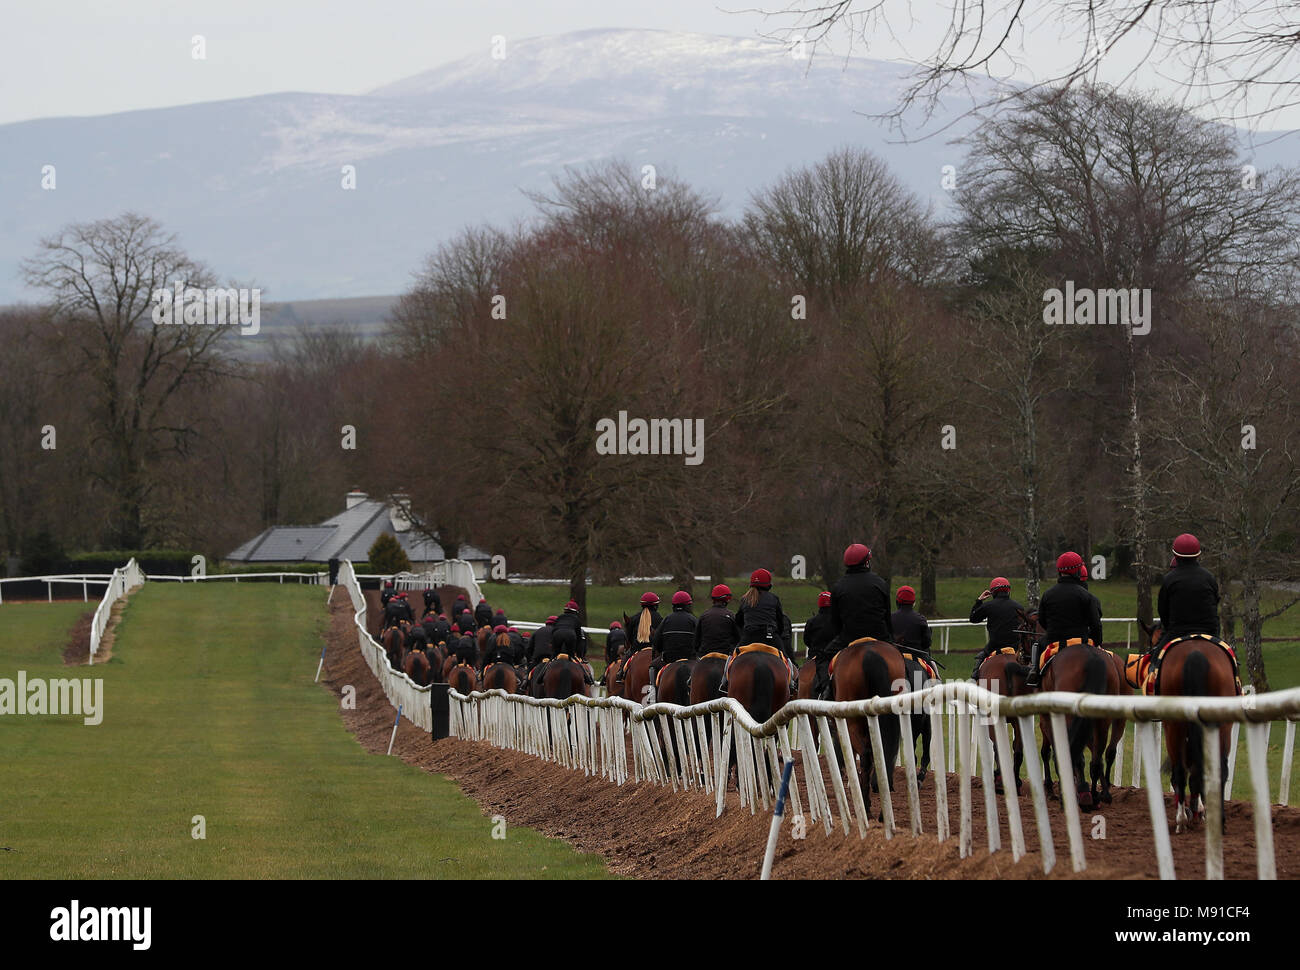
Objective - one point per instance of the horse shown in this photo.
(1195, 667)
(1082, 667)
(706, 678)
(563, 678)
(438, 655)
(674, 687)
(868, 668)
(415, 664)
(1006, 674)
(500, 676)
(636, 677)
(394, 641)
(760, 682)
(484, 639)
(918, 678)
(612, 679)
(463, 679)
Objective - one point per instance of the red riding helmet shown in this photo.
(500, 628)
(571, 606)
(999, 582)
(721, 592)
(616, 625)
(551, 619)
(856, 555)
(760, 578)
(823, 599)
(682, 598)
(649, 599)
(1069, 564)
(905, 594)
(1187, 546)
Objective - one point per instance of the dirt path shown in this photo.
(648, 831)
(77, 651)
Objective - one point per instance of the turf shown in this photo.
(210, 709)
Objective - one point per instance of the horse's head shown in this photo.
(1151, 632)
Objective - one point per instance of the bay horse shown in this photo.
(500, 676)
(760, 682)
(463, 679)
(613, 679)
(636, 677)
(416, 666)
(1006, 674)
(394, 641)
(564, 678)
(674, 687)
(437, 655)
(868, 668)
(918, 678)
(1082, 667)
(1195, 667)
(706, 678)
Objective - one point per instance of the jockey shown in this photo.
(439, 630)
(911, 629)
(387, 593)
(571, 620)
(859, 608)
(760, 617)
(1002, 614)
(465, 650)
(432, 601)
(615, 641)
(566, 641)
(517, 645)
(716, 631)
(1067, 610)
(675, 637)
(499, 618)
(483, 613)
(499, 648)
(1189, 596)
(818, 635)
(647, 621)
(396, 609)
(540, 644)
(417, 638)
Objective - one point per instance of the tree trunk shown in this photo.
(1253, 631)
(929, 584)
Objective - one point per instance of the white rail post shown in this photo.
(1146, 738)
(1119, 756)
(1137, 758)
(908, 746)
(1009, 791)
(832, 764)
(1069, 794)
(1232, 757)
(1213, 802)
(1257, 757)
(937, 762)
(783, 739)
(851, 769)
(990, 790)
(820, 804)
(1288, 753)
(952, 737)
(882, 775)
(1034, 773)
(724, 766)
(963, 785)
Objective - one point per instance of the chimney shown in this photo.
(399, 510)
(356, 497)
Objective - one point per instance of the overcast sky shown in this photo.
(86, 57)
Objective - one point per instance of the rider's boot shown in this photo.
(1032, 679)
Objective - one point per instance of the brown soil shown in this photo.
(649, 831)
(77, 650)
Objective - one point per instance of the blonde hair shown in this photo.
(751, 596)
(643, 626)
(503, 639)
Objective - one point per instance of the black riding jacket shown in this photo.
(466, 650)
(1189, 600)
(540, 644)
(499, 654)
(860, 607)
(764, 620)
(911, 629)
(818, 635)
(397, 610)
(416, 638)
(517, 645)
(675, 637)
(439, 631)
(1000, 610)
(614, 642)
(432, 602)
(716, 631)
(483, 614)
(571, 621)
(1068, 610)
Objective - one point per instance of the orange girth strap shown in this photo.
(715, 655)
(760, 648)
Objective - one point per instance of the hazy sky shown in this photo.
(82, 57)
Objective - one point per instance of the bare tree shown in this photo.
(101, 278)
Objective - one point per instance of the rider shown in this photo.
(499, 649)
(911, 629)
(818, 635)
(859, 608)
(483, 613)
(760, 617)
(387, 593)
(1189, 596)
(570, 619)
(397, 609)
(615, 641)
(1067, 610)
(417, 638)
(540, 644)
(432, 601)
(1003, 615)
(439, 630)
(675, 637)
(716, 631)
(466, 650)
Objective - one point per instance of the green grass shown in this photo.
(210, 709)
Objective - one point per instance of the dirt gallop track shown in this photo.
(650, 831)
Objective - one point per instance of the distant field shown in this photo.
(956, 597)
(210, 709)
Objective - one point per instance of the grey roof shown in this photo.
(348, 535)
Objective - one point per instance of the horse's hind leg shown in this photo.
(1178, 777)
(923, 732)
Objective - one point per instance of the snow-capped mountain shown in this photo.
(253, 187)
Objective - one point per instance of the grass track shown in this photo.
(210, 709)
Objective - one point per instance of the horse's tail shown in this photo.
(764, 692)
(1015, 672)
(1094, 682)
(681, 689)
(1196, 679)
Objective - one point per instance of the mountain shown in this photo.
(253, 186)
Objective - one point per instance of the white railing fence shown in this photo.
(691, 747)
(122, 581)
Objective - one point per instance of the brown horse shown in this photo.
(1083, 668)
(870, 668)
(1195, 667)
(563, 678)
(613, 678)
(484, 640)
(636, 676)
(416, 666)
(1005, 674)
(501, 676)
(394, 641)
(706, 679)
(761, 683)
(463, 679)
(438, 655)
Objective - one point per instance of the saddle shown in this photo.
(925, 664)
(660, 675)
(1151, 679)
(714, 656)
(761, 648)
(1052, 649)
(623, 667)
